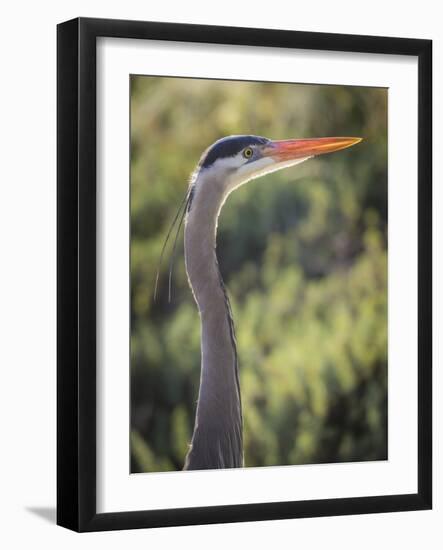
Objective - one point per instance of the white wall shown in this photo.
(27, 289)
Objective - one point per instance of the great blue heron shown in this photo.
(217, 440)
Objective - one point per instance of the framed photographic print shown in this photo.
(244, 274)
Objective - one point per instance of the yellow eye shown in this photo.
(248, 152)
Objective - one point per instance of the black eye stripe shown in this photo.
(229, 147)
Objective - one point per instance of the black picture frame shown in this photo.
(76, 278)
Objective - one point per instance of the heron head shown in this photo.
(234, 160)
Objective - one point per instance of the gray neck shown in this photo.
(217, 439)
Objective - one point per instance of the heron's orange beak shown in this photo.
(290, 149)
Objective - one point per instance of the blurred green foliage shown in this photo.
(303, 253)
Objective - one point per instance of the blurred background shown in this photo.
(303, 253)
